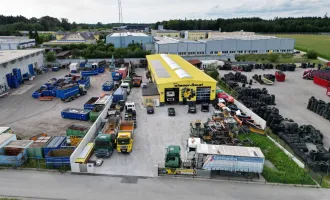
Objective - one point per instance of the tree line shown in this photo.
(276, 25)
(102, 50)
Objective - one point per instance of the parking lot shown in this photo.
(292, 98)
(153, 134)
(27, 116)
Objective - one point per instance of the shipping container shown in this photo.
(35, 150)
(119, 94)
(77, 130)
(58, 158)
(54, 143)
(6, 138)
(75, 113)
(90, 104)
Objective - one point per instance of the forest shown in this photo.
(276, 25)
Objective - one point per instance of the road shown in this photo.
(53, 185)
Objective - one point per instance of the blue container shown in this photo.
(67, 92)
(90, 104)
(54, 143)
(100, 69)
(74, 113)
(89, 73)
(116, 76)
(55, 69)
(59, 157)
(107, 86)
(119, 94)
(36, 94)
(31, 70)
(17, 160)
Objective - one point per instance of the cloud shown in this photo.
(272, 7)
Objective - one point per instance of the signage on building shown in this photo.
(188, 85)
(176, 171)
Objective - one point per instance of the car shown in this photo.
(205, 107)
(150, 110)
(171, 111)
(192, 108)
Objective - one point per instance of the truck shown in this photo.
(116, 76)
(126, 86)
(128, 80)
(137, 80)
(123, 71)
(246, 161)
(73, 67)
(104, 145)
(70, 92)
(125, 137)
(119, 95)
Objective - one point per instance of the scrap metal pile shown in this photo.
(319, 107)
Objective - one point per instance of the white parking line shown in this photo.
(22, 90)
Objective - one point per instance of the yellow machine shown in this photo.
(125, 137)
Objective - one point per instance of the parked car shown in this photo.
(171, 111)
(192, 108)
(205, 107)
(150, 110)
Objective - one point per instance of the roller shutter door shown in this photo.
(203, 94)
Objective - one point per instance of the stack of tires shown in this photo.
(286, 67)
(319, 107)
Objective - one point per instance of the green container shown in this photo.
(94, 114)
(75, 130)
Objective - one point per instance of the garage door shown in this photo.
(203, 94)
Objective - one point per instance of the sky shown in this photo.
(151, 11)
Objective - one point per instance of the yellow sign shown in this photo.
(219, 54)
(177, 171)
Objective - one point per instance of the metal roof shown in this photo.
(159, 69)
(229, 150)
(125, 34)
(168, 40)
(6, 136)
(13, 55)
(55, 142)
(240, 37)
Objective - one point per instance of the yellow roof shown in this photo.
(173, 68)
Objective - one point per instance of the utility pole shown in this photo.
(120, 23)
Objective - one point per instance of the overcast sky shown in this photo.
(106, 11)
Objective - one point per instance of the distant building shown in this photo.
(12, 42)
(121, 40)
(26, 33)
(179, 46)
(73, 38)
(196, 34)
(215, 34)
(165, 33)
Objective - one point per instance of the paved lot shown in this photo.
(292, 98)
(28, 116)
(152, 135)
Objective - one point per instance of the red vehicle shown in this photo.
(123, 71)
(328, 64)
(225, 96)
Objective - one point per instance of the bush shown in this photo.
(51, 56)
(311, 54)
(273, 57)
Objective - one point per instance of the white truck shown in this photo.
(126, 86)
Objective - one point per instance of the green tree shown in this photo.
(51, 56)
(31, 36)
(311, 54)
(273, 57)
(36, 37)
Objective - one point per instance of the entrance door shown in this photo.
(171, 95)
(31, 70)
(203, 94)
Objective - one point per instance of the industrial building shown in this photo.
(196, 34)
(73, 38)
(215, 34)
(13, 42)
(247, 44)
(178, 81)
(25, 60)
(165, 33)
(121, 40)
(180, 47)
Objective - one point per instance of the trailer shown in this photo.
(107, 86)
(244, 160)
(119, 95)
(90, 104)
(74, 113)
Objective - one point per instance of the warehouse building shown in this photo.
(165, 33)
(121, 40)
(178, 81)
(13, 42)
(247, 44)
(196, 34)
(25, 60)
(180, 47)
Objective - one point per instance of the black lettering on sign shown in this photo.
(187, 85)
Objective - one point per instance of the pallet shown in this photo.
(48, 98)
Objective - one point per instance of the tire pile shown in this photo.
(258, 78)
(254, 97)
(237, 77)
(307, 65)
(263, 66)
(286, 67)
(319, 107)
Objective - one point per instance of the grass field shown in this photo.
(320, 43)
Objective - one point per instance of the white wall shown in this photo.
(255, 117)
(89, 137)
(23, 65)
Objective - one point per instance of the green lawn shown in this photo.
(320, 43)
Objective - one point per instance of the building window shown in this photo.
(211, 52)
(224, 52)
(267, 51)
(216, 52)
(232, 52)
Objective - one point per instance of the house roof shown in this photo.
(85, 35)
(194, 62)
(173, 68)
(64, 53)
